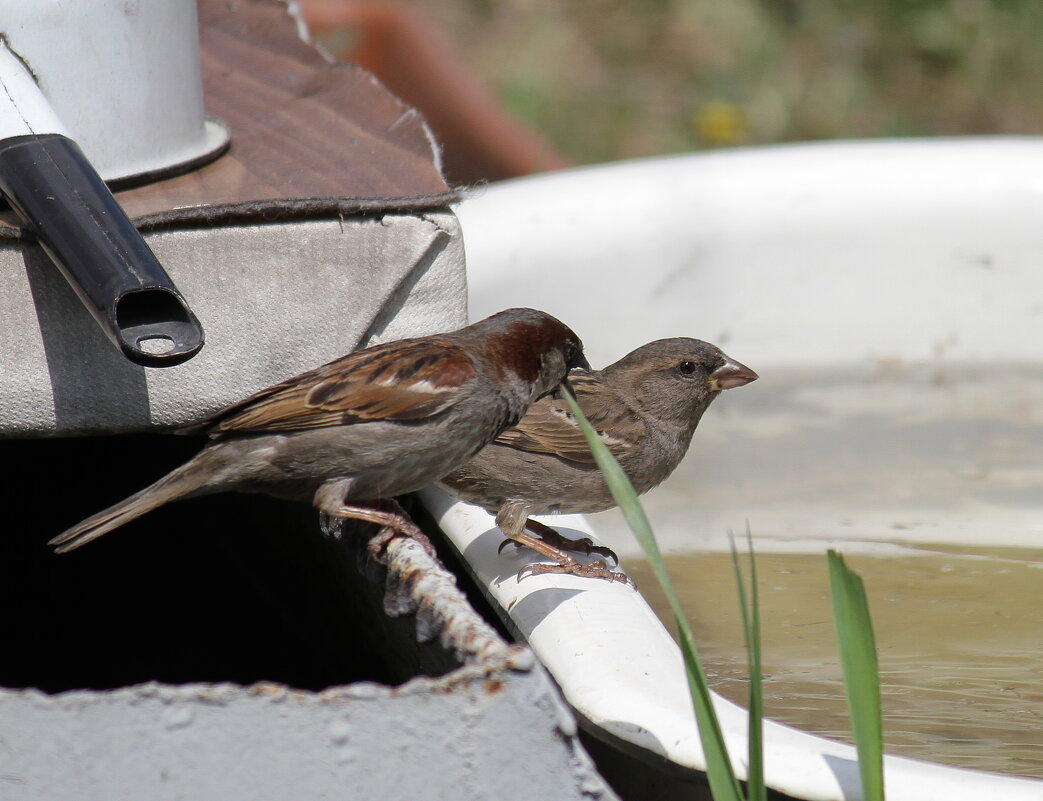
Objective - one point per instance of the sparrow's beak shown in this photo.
(731, 374)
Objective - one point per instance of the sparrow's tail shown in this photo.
(182, 482)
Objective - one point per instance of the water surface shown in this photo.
(959, 636)
(929, 478)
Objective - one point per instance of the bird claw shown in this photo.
(378, 544)
(586, 546)
(394, 522)
(570, 566)
(583, 545)
(504, 543)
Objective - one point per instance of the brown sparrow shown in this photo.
(645, 408)
(368, 426)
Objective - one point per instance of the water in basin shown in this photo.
(930, 479)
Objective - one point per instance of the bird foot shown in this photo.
(393, 521)
(562, 561)
(558, 542)
(569, 565)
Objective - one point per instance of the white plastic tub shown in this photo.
(909, 267)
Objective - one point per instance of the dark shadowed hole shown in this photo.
(149, 306)
(230, 587)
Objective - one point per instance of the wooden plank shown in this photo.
(309, 137)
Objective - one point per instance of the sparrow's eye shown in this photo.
(686, 367)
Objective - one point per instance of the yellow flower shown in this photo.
(719, 123)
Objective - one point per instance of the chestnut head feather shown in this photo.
(533, 346)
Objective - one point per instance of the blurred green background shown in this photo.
(605, 79)
(611, 79)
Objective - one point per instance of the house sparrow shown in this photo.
(645, 407)
(376, 423)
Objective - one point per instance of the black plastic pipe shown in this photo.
(64, 202)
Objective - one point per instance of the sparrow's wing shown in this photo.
(403, 380)
(549, 426)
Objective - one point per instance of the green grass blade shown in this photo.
(751, 628)
(861, 674)
(723, 784)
